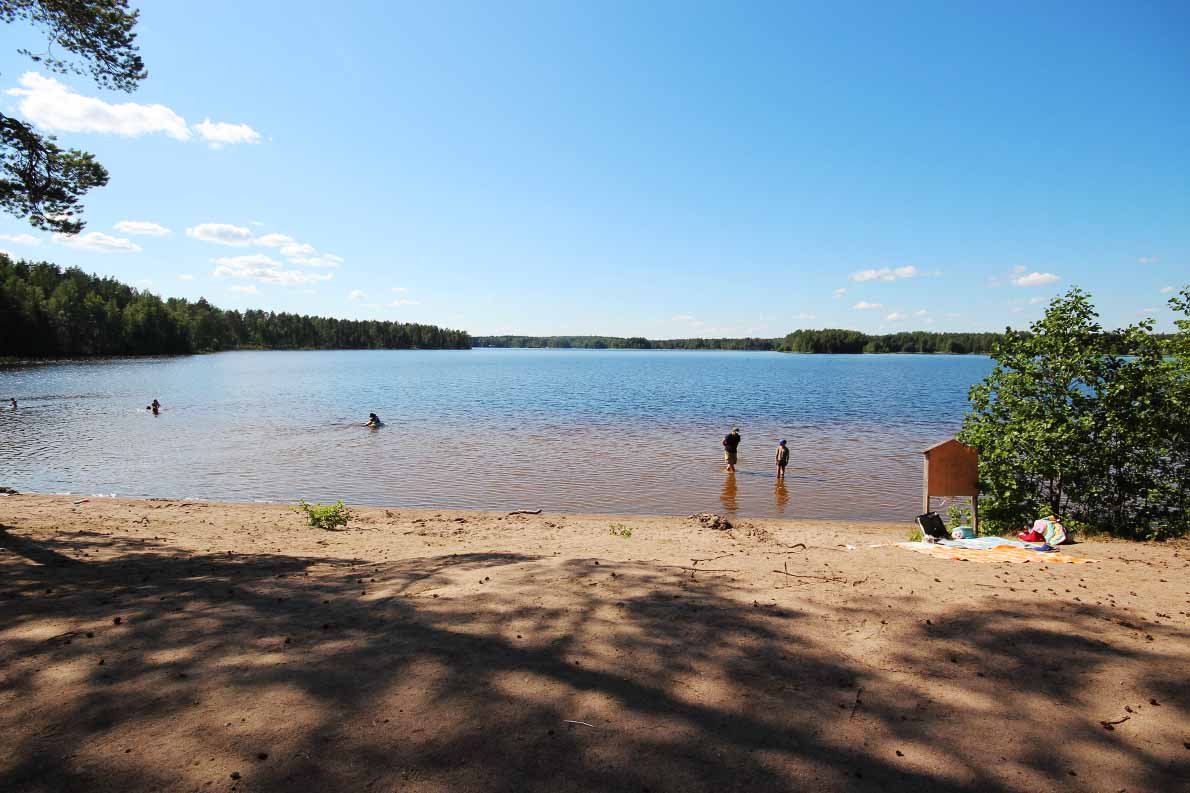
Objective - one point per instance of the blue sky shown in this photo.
(661, 169)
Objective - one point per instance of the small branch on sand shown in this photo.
(1110, 725)
(525, 512)
(801, 545)
(713, 558)
(814, 577)
(855, 707)
(572, 721)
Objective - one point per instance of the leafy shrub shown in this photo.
(325, 516)
(1090, 425)
(916, 535)
(620, 530)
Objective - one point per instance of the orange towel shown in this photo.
(1004, 553)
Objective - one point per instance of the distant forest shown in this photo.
(46, 311)
(621, 343)
(810, 341)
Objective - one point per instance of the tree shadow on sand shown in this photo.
(497, 671)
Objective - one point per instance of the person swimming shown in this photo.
(374, 421)
(154, 406)
(13, 402)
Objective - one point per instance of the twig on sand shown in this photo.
(525, 512)
(801, 545)
(713, 558)
(855, 707)
(814, 577)
(572, 721)
(1110, 725)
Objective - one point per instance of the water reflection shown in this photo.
(730, 495)
(782, 495)
(587, 431)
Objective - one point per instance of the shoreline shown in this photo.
(172, 645)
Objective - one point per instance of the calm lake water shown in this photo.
(590, 431)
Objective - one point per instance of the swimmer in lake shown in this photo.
(374, 421)
(155, 406)
(13, 402)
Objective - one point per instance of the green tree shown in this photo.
(39, 180)
(1067, 424)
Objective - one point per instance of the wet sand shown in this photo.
(184, 646)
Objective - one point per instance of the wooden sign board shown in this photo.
(950, 469)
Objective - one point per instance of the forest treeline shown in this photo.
(621, 343)
(835, 340)
(46, 311)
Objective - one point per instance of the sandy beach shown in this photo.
(184, 646)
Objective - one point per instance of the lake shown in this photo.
(563, 430)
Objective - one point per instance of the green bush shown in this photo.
(1067, 425)
(325, 516)
(621, 531)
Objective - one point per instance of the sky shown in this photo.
(660, 169)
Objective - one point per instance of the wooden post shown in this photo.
(925, 484)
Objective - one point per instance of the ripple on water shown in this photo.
(592, 431)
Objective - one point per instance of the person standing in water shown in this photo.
(782, 458)
(731, 445)
(374, 421)
(154, 406)
(13, 402)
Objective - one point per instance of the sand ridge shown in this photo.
(178, 646)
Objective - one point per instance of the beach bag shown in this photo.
(1053, 532)
(931, 525)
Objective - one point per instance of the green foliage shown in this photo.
(1066, 425)
(916, 534)
(325, 516)
(958, 516)
(835, 340)
(46, 311)
(38, 180)
(620, 530)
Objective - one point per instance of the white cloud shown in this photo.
(5, 252)
(325, 260)
(1017, 310)
(356, 295)
(273, 240)
(97, 241)
(1035, 279)
(185, 277)
(404, 302)
(921, 312)
(1147, 260)
(864, 305)
(1033, 301)
(220, 233)
(218, 133)
(804, 316)
(55, 107)
(1165, 290)
(20, 239)
(886, 274)
(244, 289)
(144, 228)
(840, 292)
(258, 267)
(896, 316)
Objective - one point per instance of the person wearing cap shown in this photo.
(731, 444)
(782, 458)
(374, 421)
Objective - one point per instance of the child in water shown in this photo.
(782, 458)
(374, 421)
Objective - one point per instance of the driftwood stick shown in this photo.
(713, 558)
(525, 512)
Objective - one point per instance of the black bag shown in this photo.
(932, 526)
